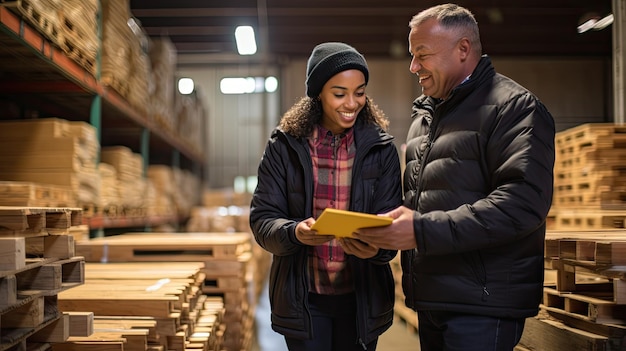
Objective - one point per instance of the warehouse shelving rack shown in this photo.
(33, 72)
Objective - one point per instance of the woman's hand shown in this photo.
(357, 248)
(310, 237)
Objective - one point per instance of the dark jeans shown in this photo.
(447, 331)
(334, 326)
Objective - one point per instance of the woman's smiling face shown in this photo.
(342, 97)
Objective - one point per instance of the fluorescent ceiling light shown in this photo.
(246, 44)
(595, 24)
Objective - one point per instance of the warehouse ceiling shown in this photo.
(290, 28)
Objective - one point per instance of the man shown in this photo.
(478, 186)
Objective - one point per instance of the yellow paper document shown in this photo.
(343, 223)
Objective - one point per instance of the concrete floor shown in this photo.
(397, 338)
(400, 337)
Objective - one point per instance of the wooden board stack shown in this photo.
(228, 269)
(52, 151)
(160, 303)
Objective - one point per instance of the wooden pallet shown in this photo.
(165, 247)
(592, 219)
(594, 309)
(37, 221)
(28, 297)
(547, 334)
(591, 136)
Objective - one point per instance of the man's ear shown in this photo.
(464, 46)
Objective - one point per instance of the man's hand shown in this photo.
(399, 235)
(357, 248)
(310, 237)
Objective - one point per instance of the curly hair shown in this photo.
(305, 114)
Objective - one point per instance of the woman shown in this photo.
(331, 149)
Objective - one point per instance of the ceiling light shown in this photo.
(271, 84)
(246, 44)
(595, 23)
(185, 86)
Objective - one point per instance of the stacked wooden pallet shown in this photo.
(584, 301)
(228, 268)
(37, 263)
(590, 177)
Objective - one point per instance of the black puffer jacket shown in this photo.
(284, 197)
(480, 175)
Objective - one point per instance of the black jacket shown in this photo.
(480, 176)
(284, 197)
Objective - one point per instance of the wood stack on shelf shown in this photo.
(131, 182)
(70, 24)
(163, 59)
(52, 151)
(228, 270)
(37, 263)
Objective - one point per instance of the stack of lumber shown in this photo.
(225, 197)
(163, 59)
(590, 177)
(166, 293)
(69, 24)
(29, 194)
(190, 114)
(130, 180)
(219, 219)
(166, 190)
(110, 196)
(52, 151)
(79, 26)
(584, 300)
(124, 63)
(229, 268)
(37, 263)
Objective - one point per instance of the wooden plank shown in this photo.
(131, 305)
(55, 332)
(35, 195)
(616, 333)
(29, 315)
(80, 323)
(12, 253)
(128, 322)
(8, 291)
(165, 247)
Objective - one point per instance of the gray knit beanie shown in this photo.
(328, 59)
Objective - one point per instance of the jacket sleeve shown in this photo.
(269, 220)
(389, 194)
(519, 157)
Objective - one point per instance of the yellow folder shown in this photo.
(343, 223)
